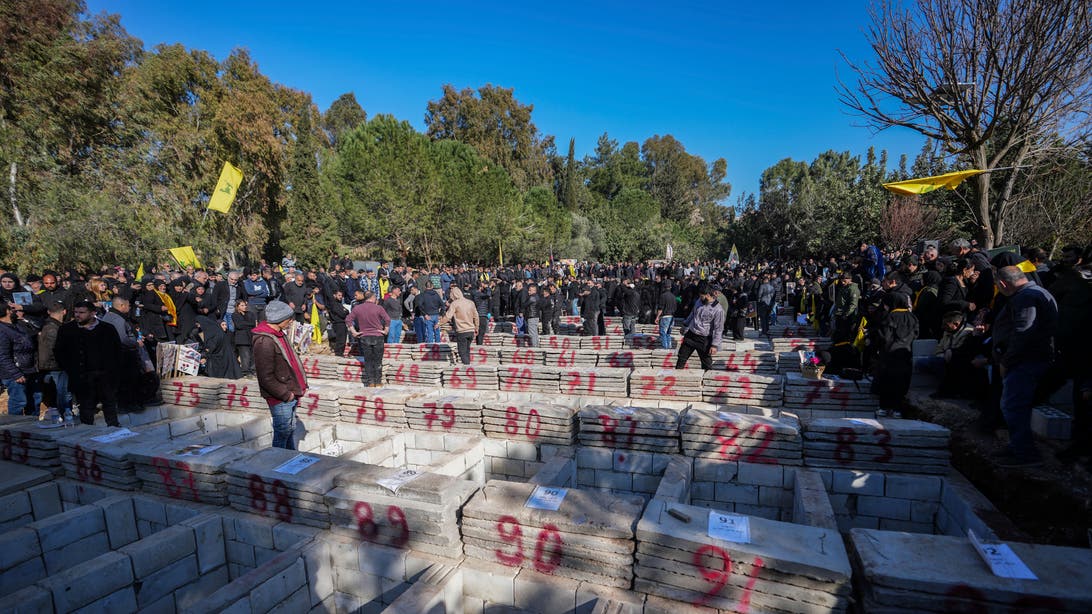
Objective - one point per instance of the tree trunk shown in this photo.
(11, 192)
(982, 201)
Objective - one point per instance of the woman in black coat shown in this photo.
(217, 348)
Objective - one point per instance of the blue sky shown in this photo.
(750, 82)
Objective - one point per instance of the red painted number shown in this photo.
(369, 531)
(649, 384)
(448, 411)
(511, 423)
(549, 547)
(718, 571)
(237, 396)
(14, 448)
(88, 468)
(181, 390)
(259, 491)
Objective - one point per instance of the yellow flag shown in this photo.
(140, 271)
(859, 340)
(922, 185)
(316, 323)
(185, 256)
(230, 180)
(733, 256)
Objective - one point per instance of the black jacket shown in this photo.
(18, 352)
(82, 352)
(1025, 327)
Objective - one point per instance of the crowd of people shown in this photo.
(1008, 327)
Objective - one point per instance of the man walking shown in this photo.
(280, 376)
(369, 324)
(704, 329)
(665, 314)
(1023, 346)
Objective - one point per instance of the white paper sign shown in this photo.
(297, 464)
(118, 435)
(1001, 560)
(730, 527)
(397, 480)
(546, 498)
(625, 411)
(334, 449)
(198, 449)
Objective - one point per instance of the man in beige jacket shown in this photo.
(464, 314)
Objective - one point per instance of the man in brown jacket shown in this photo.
(465, 315)
(280, 375)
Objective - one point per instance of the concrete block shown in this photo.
(255, 530)
(522, 450)
(264, 555)
(495, 447)
(613, 480)
(859, 483)
(543, 593)
(179, 513)
(489, 582)
(633, 462)
(279, 587)
(149, 510)
(15, 505)
(23, 574)
(924, 511)
(123, 600)
(45, 500)
(645, 483)
(67, 527)
(240, 553)
(121, 526)
(197, 591)
(157, 551)
(737, 493)
(660, 462)
(418, 457)
(774, 496)
(585, 477)
(88, 582)
(382, 561)
(709, 470)
(594, 458)
(167, 580)
(208, 531)
(75, 553)
(363, 586)
(17, 546)
(918, 487)
(702, 490)
(761, 474)
(884, 507)
(320, 582)
(29, 600)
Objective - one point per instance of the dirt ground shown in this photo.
(1051, 504)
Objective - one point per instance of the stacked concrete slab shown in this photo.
(599, 381)
(589, 537)
(569, 358)
(673, 384)
(199, 393)
(101, 454)
(243, 395)
(433, 352)
(626, 359)
(259, 484)
(470, 377)
(414, 373)
(384, 407)
(934, 573)
(438, 412)
(732, 436)
(785, 568)
(828, 397)
(737, 388)
(539, 423)
(513, 355)
(886, 444)
(186, 469)
(518, 378)
(652, 429)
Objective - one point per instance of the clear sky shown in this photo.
(752, 82)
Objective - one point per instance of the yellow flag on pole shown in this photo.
(230, 180)
(185, 256)
(733, 256)
(922, 185)
(140, 271)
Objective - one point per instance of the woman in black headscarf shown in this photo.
(217, 348)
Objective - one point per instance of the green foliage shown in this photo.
(344, 115)
(310, 229)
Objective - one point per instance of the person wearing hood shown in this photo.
(218, 348)
(464, 314)
(156, 311)
(281, 379)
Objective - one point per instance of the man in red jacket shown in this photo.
(280, 376)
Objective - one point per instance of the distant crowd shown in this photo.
(1007, 317)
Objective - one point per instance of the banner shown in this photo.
(230, 180)
(923, 185)
(733, 256)
(140, 271)
(185, 256)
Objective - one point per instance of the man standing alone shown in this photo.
(1023, 346)
(704, 329)
(280, 376)
(90, 352)
(369, 323)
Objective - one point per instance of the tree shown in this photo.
(344, 114)
(989, 80)
(310, 229)
(905, 220)
(500, 128)
(571, 179)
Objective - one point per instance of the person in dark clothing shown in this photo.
(738, 304)
(89, 350)
(927, 306)
(954, 290)
(129, 371)
(1023, 347)
(244, 321)
(185, 308)
(665, 314)
(483, 301)
(590, 305)
(295, 293)
(18, 364)
(339, 332)
(549, 308)
(428, 305)
(896, 334)
(370, 323)
(217, 348)
(54, 379)
(630, 304)
(1072, 288)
